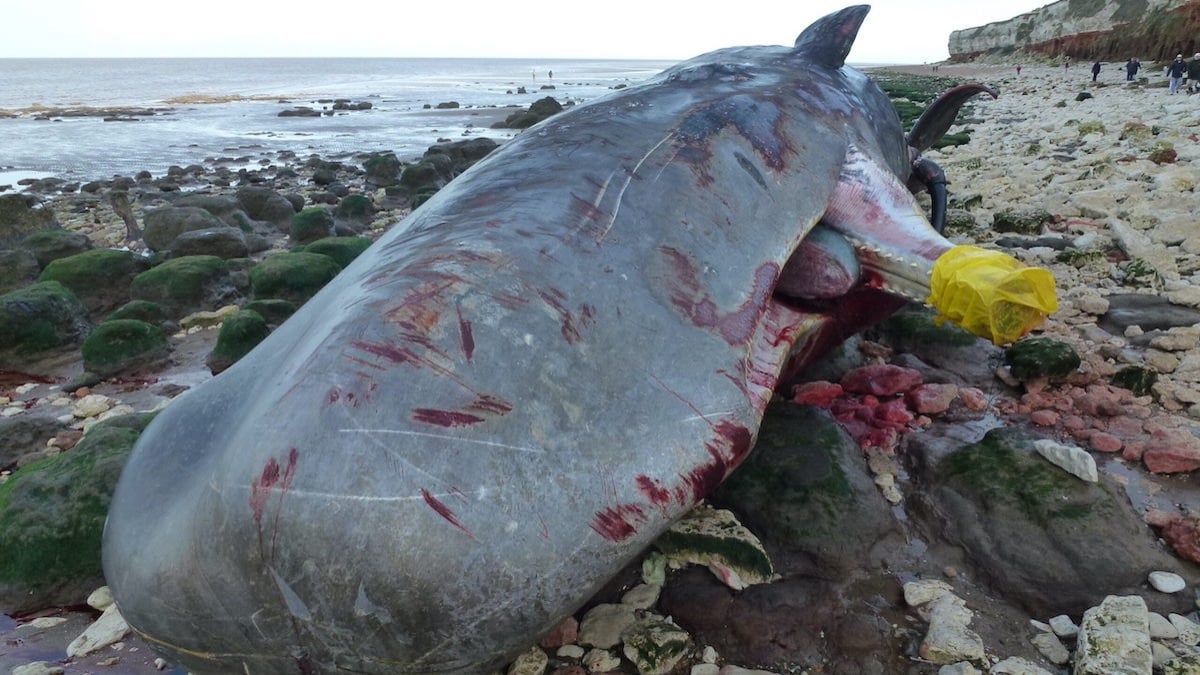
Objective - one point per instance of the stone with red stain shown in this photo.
(1132, 452)
(1182, 534)
(1102, 401)
(893, 414)
(973, 398)
(1172, 451)
(565, 633)
(881, 380)
(819, 393)
(931, 398)
(1044, 417)
(1073, 422)
(1105, 442)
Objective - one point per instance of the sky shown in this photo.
(896, 31)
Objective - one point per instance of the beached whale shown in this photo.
(512, 393)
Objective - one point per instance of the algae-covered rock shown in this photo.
(240, 332)
(18, 268)
(99, 277)
(140, 310)
(275, 311)
(292, 276)
(124, 345)
(354, 211)
(186, 285)
(382, 169)
(50, 245)
(342, 249)
(1031, 526)
(264, 203)
(21, 215)
(39, 318)
(714, 538)
(655, 645)
(1041, 357)
(311, 224)
(222, 242)
(1029, 222)
(1137, 379)
(806, 492)
(162, 225)
(52, 515)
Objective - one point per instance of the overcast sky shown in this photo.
(896, 31)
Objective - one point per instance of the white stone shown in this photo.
(107, 630)
(574, 652)
(531, 662)
(1189, 631)
(949, 640)
(961, 668)
(39, 668)
(1072, 459)
(603, 625)
(1015, 665)
(1167, 582)
(1114, 638)
(26, 388)
(601, 661)
(709, 655)
(100, 599)
(1049, 646)
(92, 405)
(919, 592)
(642, 596)
(44, 622)
(1063, 626)
(706, 669)
(1161, 628)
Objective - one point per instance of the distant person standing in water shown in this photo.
(1018, 69)
(551, 74)
(1193, 74)
(1095, 70)
(1175, 74)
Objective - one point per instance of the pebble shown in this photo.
(1063, 626)
(1167, 582)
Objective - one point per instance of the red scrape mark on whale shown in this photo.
(657, 494)
(445, 418)
(618, 523)
(443, 511)
(486, 403)
(393, 354)
(728, 449)
(689, 297)
(466, 336)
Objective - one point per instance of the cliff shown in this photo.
(1086, 30)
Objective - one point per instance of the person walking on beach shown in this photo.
(1176, 71)
(1193, 74)
(1131, 68)
(1095, 70)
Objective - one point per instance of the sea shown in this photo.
(209, 109)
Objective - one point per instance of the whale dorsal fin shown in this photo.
(829, 39)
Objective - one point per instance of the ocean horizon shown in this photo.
(87, 119)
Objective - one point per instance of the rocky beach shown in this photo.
(923, 502)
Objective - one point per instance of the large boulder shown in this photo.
(239, 333)
(226, 209)
(161, 226)
(22, 215)
(382, 169)
(99, 277)
(24, 435)
(295, 277)
(18, 268)
(51, 517)
(353, 213)
(50, 245)
(185, 285)
(342, 249)
(124, 345)
(265, 204)
(37, 319)
(222, 242)
(311, 224)
(1031, 526)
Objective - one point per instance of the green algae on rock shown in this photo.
(185, 285)
(99, 277)
(343, 250)
(39, 318)
(1041, 357)
(292, 276)
(124, 344)
(240, 332)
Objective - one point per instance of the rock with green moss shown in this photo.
(354, 213)
(21, 215)
(162, 225)
(52, 515)
(100, 277)
(37, 319)
(18, 268)
(265, 204)
(273, 310)
(124, 345)
(655, 645)
(240, 332)
(1041, 357)
(185, 285)
(1027, 222)
(1032, 526)
(1138, 379)
(311, 224)
(805, 490)
(714, 538)
(382, 169)
(292, 276)
(140, 310)
(50, 245)
(342, 249)
(222, 242)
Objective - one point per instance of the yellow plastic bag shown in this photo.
(991, 294)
